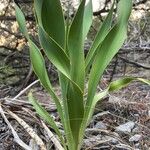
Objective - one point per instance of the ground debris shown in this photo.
(135, 138)
(125, 128)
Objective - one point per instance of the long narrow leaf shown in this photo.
(46, 12)
(38, 61)
(105, 52)
(101, 34)
(21, 21)
(40, 70)
(37, 9)
(121, 83)
(114, 86)
(109, 48)
(52, 13)
(45, 115)
(88, 16)
(75, 46)
(54, 52)
(75, 109)
(76, 54)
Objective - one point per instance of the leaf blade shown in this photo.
(21, 21)
(40, 70)
(51, 9)
(101, 34)
(115, 86)
(88, 16)
(107, 51)
(45, 115)
(75, 44)
(75, 47)
(54, 52)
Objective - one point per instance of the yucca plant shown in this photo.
(63, 44)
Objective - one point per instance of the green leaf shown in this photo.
(101, 34)
(108, 49)
(54, 53)
(53, 20)
(38, 8)
(75, 47)
(21, 21)
(122, 12)
(117, 85)
(144, 80)
(114, 86)
(75, 109)
(40, 70)
(76, 37)
(45, 115)
(39, 64)
(75, 96)
(88, 16)
(104, 54)
(97, 97)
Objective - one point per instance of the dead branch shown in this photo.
(15, 135)
(24, 90)
(29, 130)
(134, 63)
(52, 137)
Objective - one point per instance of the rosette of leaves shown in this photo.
(63, 44)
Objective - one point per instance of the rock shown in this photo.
(125, 128)
(137, 145)
(100, 125)
(136, 130)
(114, 141)
(135, 138)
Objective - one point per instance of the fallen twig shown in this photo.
(15, 135)
(52, 137)
(24, 90)
(29, 130)
(135, 63)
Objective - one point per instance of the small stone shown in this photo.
(135, 138)
(136, 115)
(126, 128)
(136, 130)
(137, 145)
(114, 141)
(100, 125)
